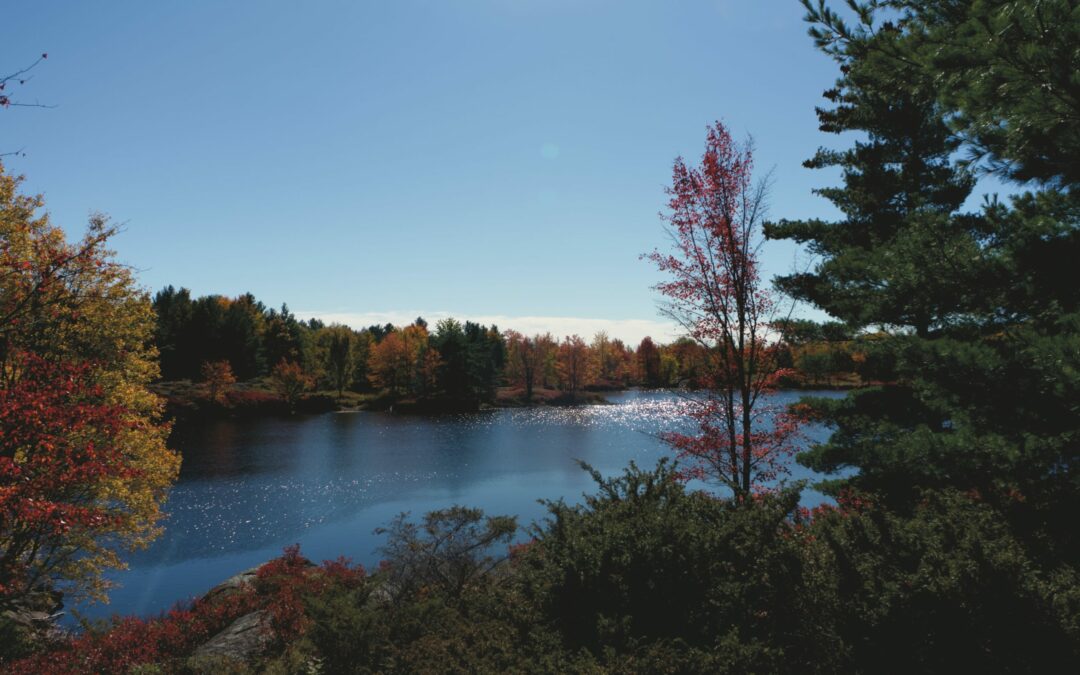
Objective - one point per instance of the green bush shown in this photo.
(647, 567)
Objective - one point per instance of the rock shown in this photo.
(242, 640)
(38, 611)
(245, 578)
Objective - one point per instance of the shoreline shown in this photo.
(187, 402)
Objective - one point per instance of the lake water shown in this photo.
(250, 487)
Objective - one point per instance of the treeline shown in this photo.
(243, 331)
(198, 338)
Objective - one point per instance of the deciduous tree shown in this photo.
(70, 305)
(218, 376)
(62, 459)
(394, 361)
(576, 366)
(291, 381)
(525, 359)
(648, 362)
(716, 295)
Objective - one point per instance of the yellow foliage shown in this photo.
(73, 302)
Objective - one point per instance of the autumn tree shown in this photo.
(218, 376)
(525, 361)
(692, 361)
(575, 364)
(74, 330)
(395, 360)
(623, 357)
(291, 381)
(62, 457)
(429, 365)
(547, 352)
(365, 343)
(604, 356)
(648, 362)
(716, 295)
(669, 368)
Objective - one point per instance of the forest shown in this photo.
(215, 342)
(949, 543)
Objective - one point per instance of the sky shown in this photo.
(494, 160)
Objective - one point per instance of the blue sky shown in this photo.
(491, 159)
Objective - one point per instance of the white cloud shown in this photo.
(630, 331)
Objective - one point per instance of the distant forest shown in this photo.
(453, 359)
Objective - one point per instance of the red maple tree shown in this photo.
(61, 451)
(715, 293)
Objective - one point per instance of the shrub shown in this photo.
(646, 563)
(162, 644)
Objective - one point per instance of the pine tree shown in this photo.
(975, 319)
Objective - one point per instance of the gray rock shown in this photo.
(37, 613)
(242, 640)
(245, 578)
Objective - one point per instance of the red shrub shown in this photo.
(279, 588)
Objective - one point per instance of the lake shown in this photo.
(250, 487)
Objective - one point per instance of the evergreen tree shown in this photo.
(240, 335)
(979, 335)
(173, 310)
(285, 338)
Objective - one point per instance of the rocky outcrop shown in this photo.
(233, 583)
(243, 640)
(37, 613)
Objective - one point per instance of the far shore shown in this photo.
(189, 401)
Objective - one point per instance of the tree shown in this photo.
(394, 361)
(242, 325)
(69, 310)
(18, 78)
(895, 257)
(547, 348)
(692, 361)
(63, 454)
(648, 362)
(291, 381)
(1004, 70)
(604, 356)
(472, 357)
(525, 359)
(970, 322)
(429, 364)
(973, 307)
(575, 365)
(285, 338)
(365, 343)
(624, 362)
(337, 349)
(716, 295)
(449, 552)
(218, 376)
(173, 310)
(669, 369)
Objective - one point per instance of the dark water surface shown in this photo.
(250, 487)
